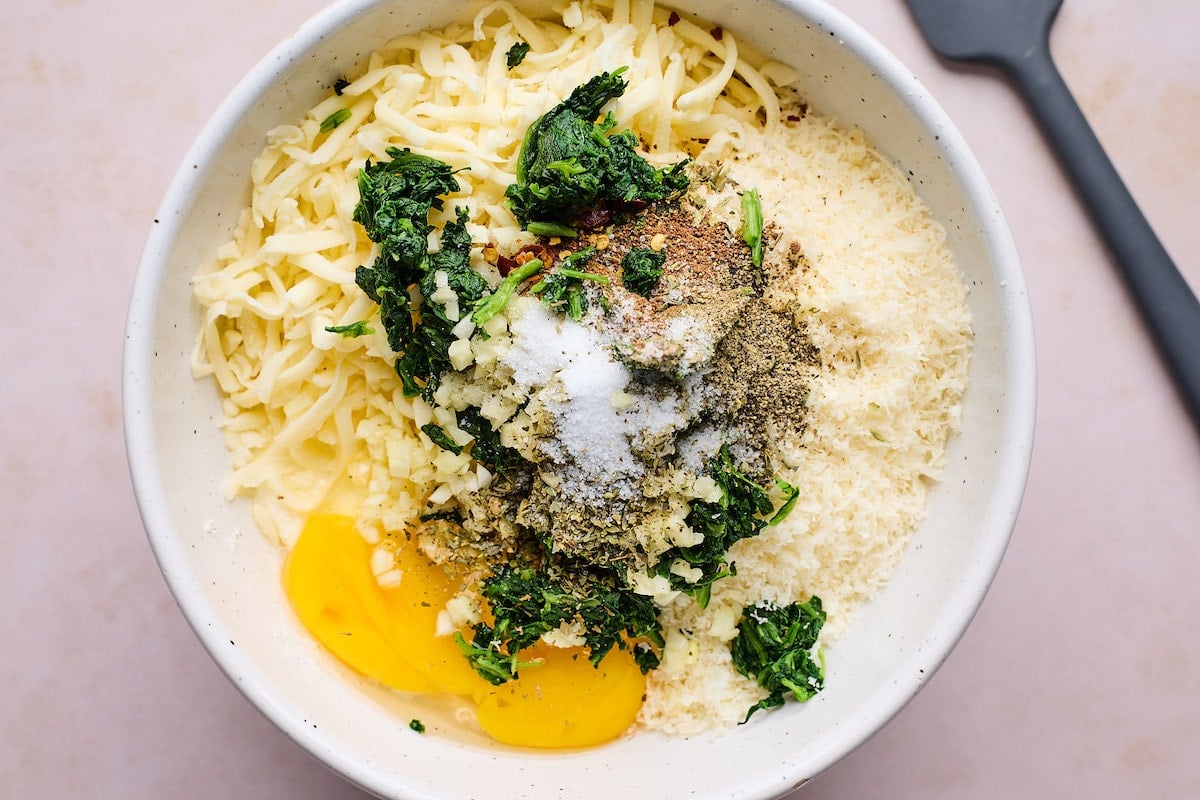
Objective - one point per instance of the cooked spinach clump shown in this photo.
(576, 172)
(516, 54)
(487, 449)
(642, 269)
(395, 200)
(739, 514)
(527, 602)
(775, 646)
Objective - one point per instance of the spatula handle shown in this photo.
(1168, 305)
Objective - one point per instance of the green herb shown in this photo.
(578, 275)
(438, 436)
(516, 54)
(486, 449)
(737, 515)
(444, 516)
(571, 166)
(335, 119)
(353, 330)
(642, 269)
(790, 495)
(752, 225)
(527, 602)
(562, 288)
(417, 725)
(486, 657)
(552, 229)
(492, 305)
(774, 646)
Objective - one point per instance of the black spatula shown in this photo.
(1014, 35)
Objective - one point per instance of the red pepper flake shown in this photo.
(594, 218)
(505, 265)
(673, 18)
(717, 33)
(532, 251)
(529, 252)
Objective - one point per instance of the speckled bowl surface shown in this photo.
(225, 576)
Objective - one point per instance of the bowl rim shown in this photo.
(880, 706)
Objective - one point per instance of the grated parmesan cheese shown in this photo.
(885, 305)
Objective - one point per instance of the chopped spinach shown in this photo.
(437, 434)
(739, 514)
(487, 449)
(562, 288)
(353, 330)
(642, 269)
(516, 54)
(334, 119)
(395, 200)
(527, 602)
(570, 165)
(774, 645)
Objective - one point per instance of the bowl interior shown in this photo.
(225, 576)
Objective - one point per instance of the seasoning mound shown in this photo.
(624, 409)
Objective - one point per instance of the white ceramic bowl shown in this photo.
(225, 576)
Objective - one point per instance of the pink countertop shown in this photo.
(1080, 676)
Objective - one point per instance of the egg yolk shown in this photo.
(565, 702)
(389, 634)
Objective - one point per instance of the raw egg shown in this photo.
(390, 634)
(565, 702)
